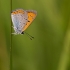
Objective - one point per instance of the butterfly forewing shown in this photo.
(31, 16)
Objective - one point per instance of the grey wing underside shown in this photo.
(19, 21)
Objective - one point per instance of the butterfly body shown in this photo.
(22, 19)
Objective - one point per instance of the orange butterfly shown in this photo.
(22, 19)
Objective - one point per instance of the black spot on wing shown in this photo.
(20, 22)
(25, 18)
(21, 15)
(28, 21)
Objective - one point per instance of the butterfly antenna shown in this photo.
(29, 35)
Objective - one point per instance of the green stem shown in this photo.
(65, 53)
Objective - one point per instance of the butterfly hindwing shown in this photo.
(19, 19)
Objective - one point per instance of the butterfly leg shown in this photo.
(14, 33)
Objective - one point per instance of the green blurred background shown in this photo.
(50, 48)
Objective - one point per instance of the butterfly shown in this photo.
(22, 19)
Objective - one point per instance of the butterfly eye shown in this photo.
(22, 33)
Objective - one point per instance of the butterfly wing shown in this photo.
(31, 16)
(19, 19)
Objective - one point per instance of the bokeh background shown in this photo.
(50, 48)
